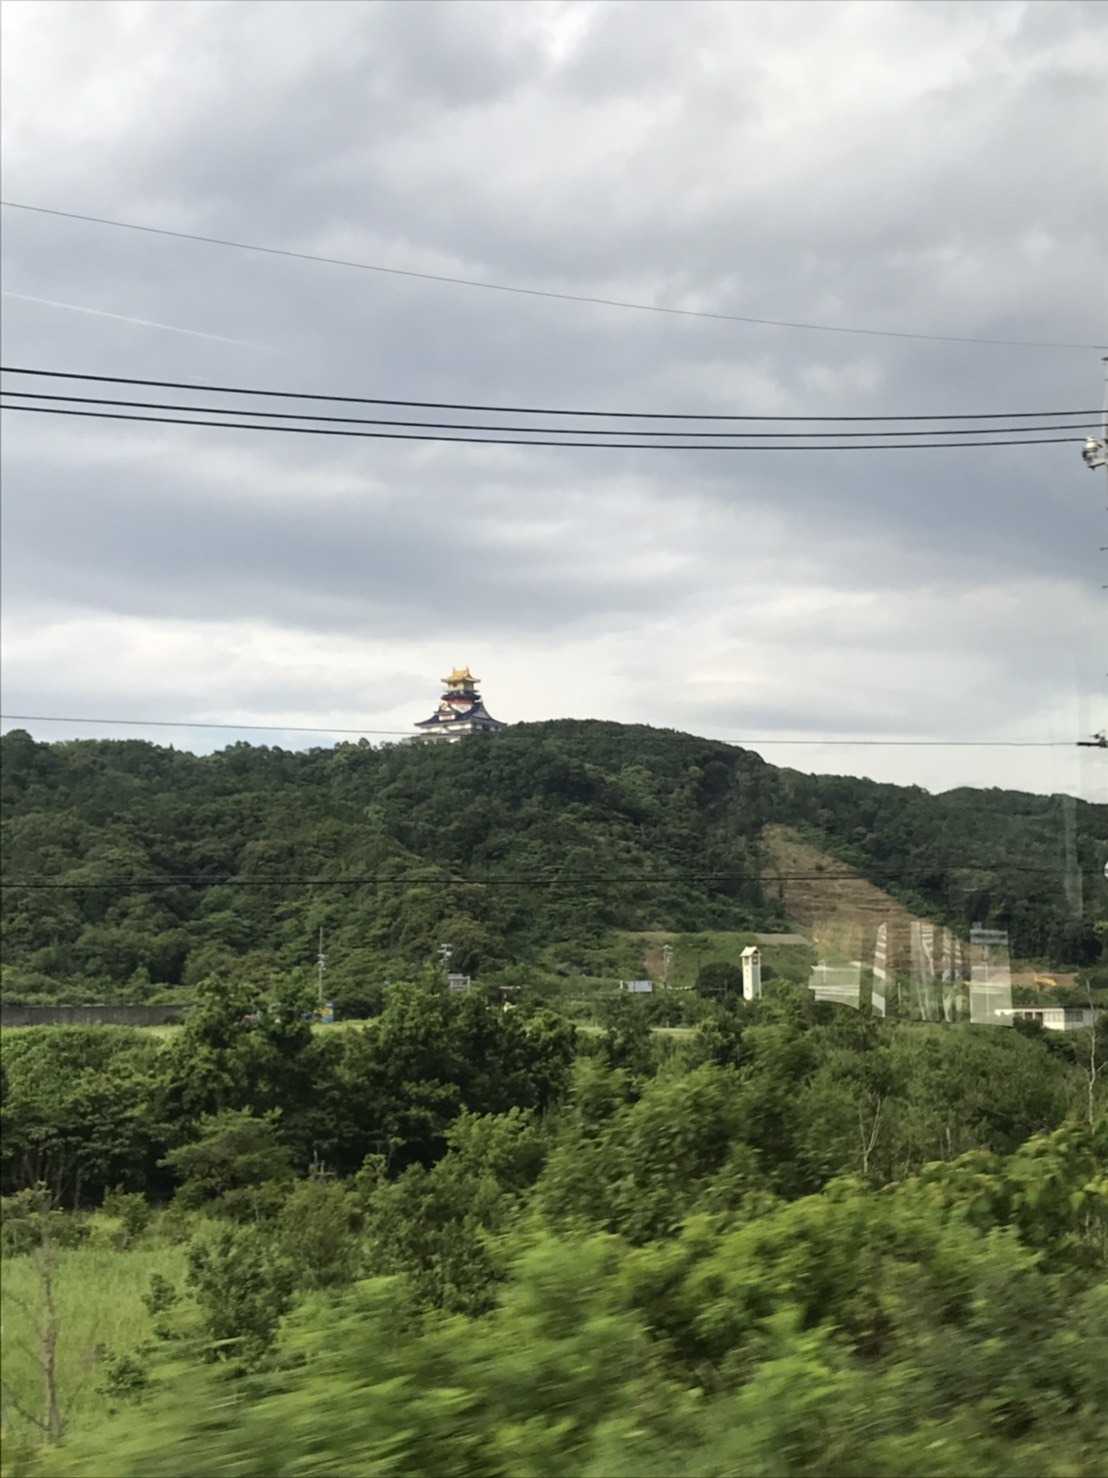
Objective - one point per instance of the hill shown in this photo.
(841, 912)
(130, 867)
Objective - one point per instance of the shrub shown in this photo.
(244, 1290)
(317, 1231)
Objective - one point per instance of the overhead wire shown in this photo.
(202, 387)
(149, 405)
(33, 718)
(537, 881)
(626, 446)
(536, 292)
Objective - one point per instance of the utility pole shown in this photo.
(667, 955)
(1095, 455)
(445, 951)
(322, 961)
(1095, 452)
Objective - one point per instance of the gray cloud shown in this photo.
(921, 167)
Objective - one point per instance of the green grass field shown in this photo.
(100, 1315)
(317, 1026)
(691, 951)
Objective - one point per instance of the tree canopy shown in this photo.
(131, 868)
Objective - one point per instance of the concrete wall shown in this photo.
(90, 1015)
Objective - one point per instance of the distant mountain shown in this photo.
(531, 845)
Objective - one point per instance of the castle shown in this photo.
(460, 710)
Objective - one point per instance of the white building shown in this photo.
(1053, 1018)
(752, 973)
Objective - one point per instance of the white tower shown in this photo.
(752, 974)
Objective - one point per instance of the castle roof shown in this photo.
(460, 709)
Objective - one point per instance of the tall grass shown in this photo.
(100, 1315)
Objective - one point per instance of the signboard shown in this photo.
(639, 987)
(458, 982)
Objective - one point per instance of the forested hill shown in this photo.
(535, 845)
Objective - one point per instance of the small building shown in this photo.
(752, 973)
(1052, 1018)
(461, 711)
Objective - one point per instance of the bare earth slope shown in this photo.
(841, 911)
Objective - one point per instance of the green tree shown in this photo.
(436, 1227)
(244, 1289)
(234, 1152)
(721, 979)
(318, 1231)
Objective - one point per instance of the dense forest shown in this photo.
(132, 870)
(476, 1241)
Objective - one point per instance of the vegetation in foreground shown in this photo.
(467, 1241)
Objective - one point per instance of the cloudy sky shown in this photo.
(914, 168)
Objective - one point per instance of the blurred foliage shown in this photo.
(849, 1332)
(799, 1241)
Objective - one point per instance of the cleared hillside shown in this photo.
(841, 912)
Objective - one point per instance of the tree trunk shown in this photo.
(53, 1423)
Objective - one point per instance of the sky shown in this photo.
(912, 168)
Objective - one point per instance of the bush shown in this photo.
(244, 1289)
(27, 1221)
(317, 1231)
(126, 1378)
(719, 978)
(234, 1151)
(358, 1003)
(131, 1210)
(676, 1008)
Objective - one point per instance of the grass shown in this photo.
(98, 1294)
(593, 1029)
(691, 951)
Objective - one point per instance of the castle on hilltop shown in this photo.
(460, 711)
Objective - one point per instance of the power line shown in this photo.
(537, 881)
(625, 446)
(166, 723)
(534, 292)
(515, 410)
(150, 405)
